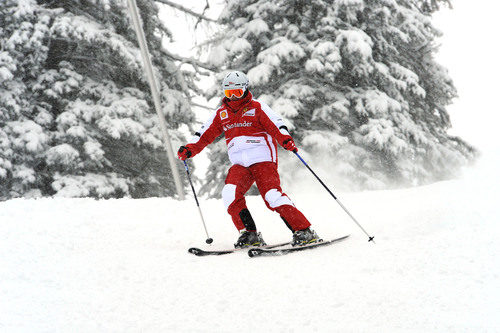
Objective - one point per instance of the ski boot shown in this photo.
(249, 238)
(304, 237)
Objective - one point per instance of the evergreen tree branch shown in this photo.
(202, 106)
(202, 13)
(186, 10)
(192, 61)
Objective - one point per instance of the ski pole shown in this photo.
(370, 238)
(208, 240)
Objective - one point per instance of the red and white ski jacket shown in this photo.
(251, 129)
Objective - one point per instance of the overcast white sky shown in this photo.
(469, 49)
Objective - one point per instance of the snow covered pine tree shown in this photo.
(355, 81)
(75, 115)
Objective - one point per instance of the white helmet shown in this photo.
(235, 80)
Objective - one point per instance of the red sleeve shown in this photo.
(273, 123)
(206, 135)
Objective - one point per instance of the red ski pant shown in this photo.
(265, 174)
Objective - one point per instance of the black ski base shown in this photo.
(261, 252)
(201, 253)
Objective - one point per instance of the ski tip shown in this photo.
(194, 251)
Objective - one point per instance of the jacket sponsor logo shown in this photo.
(253, 141)
(243, 124)
(250, 113)
(223, 115)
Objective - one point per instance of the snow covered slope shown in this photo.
(122, 265)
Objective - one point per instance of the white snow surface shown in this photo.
(81, 265)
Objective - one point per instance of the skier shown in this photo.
(251, 130)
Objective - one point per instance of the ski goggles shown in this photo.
(233, 92)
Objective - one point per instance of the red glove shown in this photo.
(288, 144)
(184, 153)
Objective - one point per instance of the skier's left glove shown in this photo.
(184, 153)
(288, 144)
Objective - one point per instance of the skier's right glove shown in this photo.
(288, 144)
(184, 153)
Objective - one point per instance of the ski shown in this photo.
(201, 253)
(261, 252)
